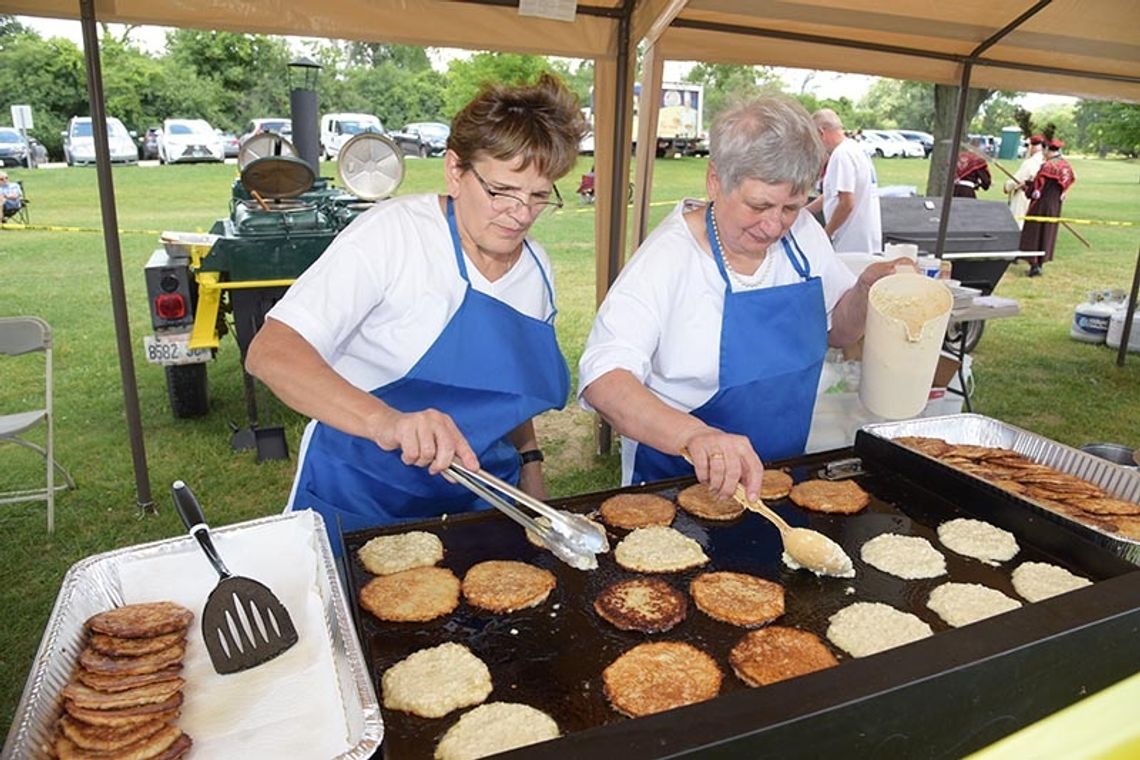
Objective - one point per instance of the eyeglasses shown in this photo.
(506, 203)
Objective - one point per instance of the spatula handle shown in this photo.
(194, 519)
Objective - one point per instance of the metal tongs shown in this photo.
(572, 538)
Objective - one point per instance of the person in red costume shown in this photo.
(972, 174)
(1046, 194)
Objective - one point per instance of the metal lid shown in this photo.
(370, 165)
(261, 145)
(278, 176)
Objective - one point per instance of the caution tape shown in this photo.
(1069, 220)
(57, 228)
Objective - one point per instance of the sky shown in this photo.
(823, 84)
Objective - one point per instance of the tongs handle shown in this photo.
(487, 480)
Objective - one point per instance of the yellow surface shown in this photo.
(205, 332)
(1105, 726)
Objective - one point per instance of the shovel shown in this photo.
(243, 623)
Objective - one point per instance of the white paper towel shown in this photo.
(289, 707)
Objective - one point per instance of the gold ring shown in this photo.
(716, 455)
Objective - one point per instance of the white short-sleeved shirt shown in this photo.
(849, 170)
(382, 293)
(661, 319)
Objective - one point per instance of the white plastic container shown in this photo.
(930, 266)
(1115, 332)
(906, 322)
(1091, 318)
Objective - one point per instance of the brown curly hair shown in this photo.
(539, 123)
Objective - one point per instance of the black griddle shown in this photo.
(945, 696)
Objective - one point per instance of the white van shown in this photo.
(338, 128)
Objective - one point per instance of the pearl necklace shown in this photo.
(758, 278)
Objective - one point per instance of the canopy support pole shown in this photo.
(114, 254)
(1129, 313)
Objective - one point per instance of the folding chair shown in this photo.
(20, 215)
(18, 336)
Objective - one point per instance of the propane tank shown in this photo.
(1116, 330)
(1091, 318)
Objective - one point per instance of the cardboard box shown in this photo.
(944, 372)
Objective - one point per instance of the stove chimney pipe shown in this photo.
(303, 107)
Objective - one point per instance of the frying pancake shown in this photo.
(659, 676)
(960, 604)
(138, 621)
(776, 485)
(433, 682)
(86, 697)
(115, 646)
(147, 748)
(865, 628)
(131, 666)
(385, 555)
(978, 539)
(506, 586)
(636, 510)
(908, 557)
(649, 605)
(112, 683)
(126, 716)
(777, 653)
(416, 595)
(737, 598)
(838, 496)
(493, 728)
(106, 738)
(700, 501)
(1035, 581)
(658, 549)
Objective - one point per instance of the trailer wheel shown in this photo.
(954, 330)
(186, 388)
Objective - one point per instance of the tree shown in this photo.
(899, 104)
(1104, 126)
(945, 108)
(726, 83)
(465, 78)
(49, 76)
(997, 113)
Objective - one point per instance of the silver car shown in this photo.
(79, 142)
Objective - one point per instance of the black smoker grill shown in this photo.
(982, 239)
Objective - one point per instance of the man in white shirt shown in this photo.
(850, 198)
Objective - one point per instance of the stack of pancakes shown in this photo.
(1057, 491)
(126, 693)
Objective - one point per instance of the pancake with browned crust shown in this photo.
(120, 647)
(636, 510)
(700, 501)
(737, 598)
(777, 653)
(506, 586)
(147, 748)
(659, 676)
(934, 447)
(649, 605)
(416, 595)
(141, 695)
(1107, 506)
(776, 485)
(111, 683)
(1127, 526)
(106, 738)
(98, 662)
(835, 496)
(164, 711)
(138, 621)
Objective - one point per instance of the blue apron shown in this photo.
(491, 369)
(772, 345)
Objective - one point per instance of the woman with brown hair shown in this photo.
(425, 333)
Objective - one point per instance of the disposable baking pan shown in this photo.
(552, 656)
(875, 440)
(93, 585)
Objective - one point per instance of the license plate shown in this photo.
(173, 349)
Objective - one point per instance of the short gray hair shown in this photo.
(825, 118)
(770, 138)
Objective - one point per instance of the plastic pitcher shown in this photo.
(906, 321)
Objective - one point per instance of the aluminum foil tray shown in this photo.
(1121, 482)
(93, 585)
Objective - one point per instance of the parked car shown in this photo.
(339, 128)
(586, 144)
(15, 149)
(910, 149)
(422, 138)
(230, 143)
(148, 144)
(283, 127)
(925, 139)
(189, 140)
(878, 145)
(79, 142)
(987, 144)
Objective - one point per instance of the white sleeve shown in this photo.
(846, 171)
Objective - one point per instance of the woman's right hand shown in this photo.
(428, 438)
(721, 460)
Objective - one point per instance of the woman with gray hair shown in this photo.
(711, 342)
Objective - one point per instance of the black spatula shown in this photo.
(243, 623)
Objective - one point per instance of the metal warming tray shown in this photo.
(985, 431)
(973, 685)
(95, 584)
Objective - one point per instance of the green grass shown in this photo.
(1028, 371)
